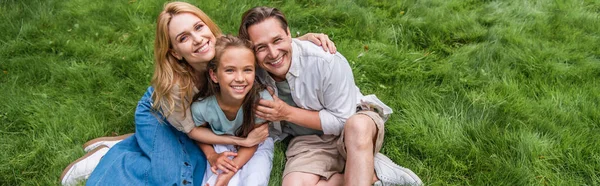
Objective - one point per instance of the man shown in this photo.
(317, 97)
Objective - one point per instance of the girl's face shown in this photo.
(192, 40)
(235, 73)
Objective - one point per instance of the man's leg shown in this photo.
(312, 157)
(360, 134)
(300, 179)
(308, 179)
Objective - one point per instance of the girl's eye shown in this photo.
(228, 70)
(198, 27)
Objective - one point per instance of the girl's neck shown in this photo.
(229, 107)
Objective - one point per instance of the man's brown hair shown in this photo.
(259, 14)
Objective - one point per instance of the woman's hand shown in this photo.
(256, 136)
(321, 40)
(221, 161)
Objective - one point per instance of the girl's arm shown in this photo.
(218, 160)
(205, 135)
(244, 155)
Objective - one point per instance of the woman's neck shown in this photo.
(229, 107)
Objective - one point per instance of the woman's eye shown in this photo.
(182, 38)
(198, 27)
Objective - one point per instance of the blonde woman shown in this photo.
(160, 152)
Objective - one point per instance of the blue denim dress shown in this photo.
(157, 154)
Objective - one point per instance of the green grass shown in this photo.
(484, 92)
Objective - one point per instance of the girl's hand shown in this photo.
(321, 40)
(222, 162)
(223, 179)
(256, 136)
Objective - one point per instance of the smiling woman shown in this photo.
(193, 40)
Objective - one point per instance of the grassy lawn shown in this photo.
(483, 92)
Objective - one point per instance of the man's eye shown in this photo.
(260, 49)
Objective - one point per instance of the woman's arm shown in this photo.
(205, 135)
(321, 40)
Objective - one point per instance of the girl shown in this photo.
(226, 104)
(160, 152)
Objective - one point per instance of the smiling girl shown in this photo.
(226, 105)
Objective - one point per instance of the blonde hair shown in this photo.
(174, 77)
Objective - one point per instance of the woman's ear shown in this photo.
(175, 54)
(213, 75)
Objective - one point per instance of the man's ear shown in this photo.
(175, 54)
(213, 75)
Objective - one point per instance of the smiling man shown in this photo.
(335, 127)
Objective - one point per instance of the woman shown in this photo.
(159, 153)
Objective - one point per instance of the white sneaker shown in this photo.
(83, 167)
(391, 174)
(108, 141)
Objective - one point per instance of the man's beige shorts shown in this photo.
(324, 155)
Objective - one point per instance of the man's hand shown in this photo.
(222, 162)
(275, 110)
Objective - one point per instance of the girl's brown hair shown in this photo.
(212, 88)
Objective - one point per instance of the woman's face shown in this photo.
(192, 40)
(235, 73)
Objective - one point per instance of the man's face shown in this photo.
(272, 46)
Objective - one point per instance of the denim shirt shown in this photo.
(156, 154)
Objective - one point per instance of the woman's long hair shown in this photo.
(174, 79)
(212, 88)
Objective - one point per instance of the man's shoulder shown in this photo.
(308, 49)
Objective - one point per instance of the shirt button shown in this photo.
(185, 182)
(186, 163)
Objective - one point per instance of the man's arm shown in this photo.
(338, 100)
